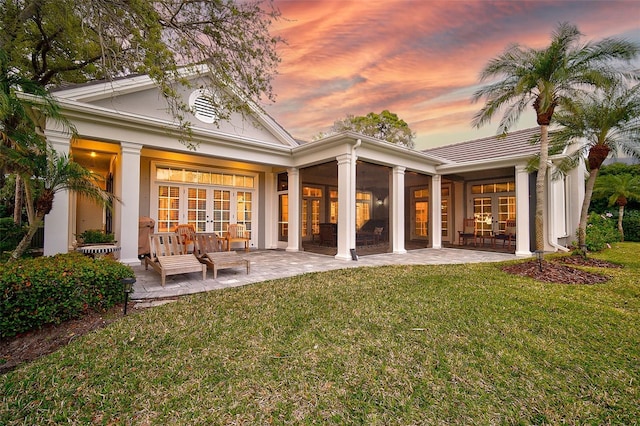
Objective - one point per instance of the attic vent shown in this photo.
(203, 109)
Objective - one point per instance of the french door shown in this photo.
(208, 209)
(491, 213)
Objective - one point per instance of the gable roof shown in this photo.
(514, 144)
(94, 92)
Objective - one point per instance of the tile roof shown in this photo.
(489, 148)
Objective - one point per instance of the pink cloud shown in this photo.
(417, 59)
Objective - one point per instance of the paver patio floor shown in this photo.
(273, 264)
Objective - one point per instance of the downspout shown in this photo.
(356, 146)
(553, 243)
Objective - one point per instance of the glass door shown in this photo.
(420, 214)
(506, 211)
(197, 208)
(220, 215)
(310, 214)
(168, 215)
(483, 216)
(244, 205)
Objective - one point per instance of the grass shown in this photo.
(391, 345)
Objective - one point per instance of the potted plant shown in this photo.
(95, 236)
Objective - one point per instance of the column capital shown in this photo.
(58, 134)
(60, 140)
(130, 148)
(344, 158)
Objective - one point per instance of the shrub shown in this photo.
(49, 290)
(93, 236)
(10, 234)
(601, 230)
(631, 225)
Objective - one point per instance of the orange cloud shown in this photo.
(418, 59)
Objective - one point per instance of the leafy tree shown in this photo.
(53, 42)
(545, 79)
(608, 121)
(598, 202)
(619, 189)
(385, 126)
(47, 43)
(618, 168)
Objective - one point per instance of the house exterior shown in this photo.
(249, 170)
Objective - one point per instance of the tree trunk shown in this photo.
(26, 240)
(620, 215)
(35, 221)
(584, 211)
(540, 187)
(17, 207)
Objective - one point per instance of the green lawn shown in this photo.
(390, 345)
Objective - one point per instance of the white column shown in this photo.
(397, 210)
(57, 229)
(270, 210)
(293, 175)
(436, 212)
(346, 206)
(523, 221)
(127, 213)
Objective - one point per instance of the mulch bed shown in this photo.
(33, 344)
(557, 270)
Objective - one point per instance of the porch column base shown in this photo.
(131, 262)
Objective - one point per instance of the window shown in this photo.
(179, 174)
(283, 182)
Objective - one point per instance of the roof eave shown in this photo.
(79, 110)
(374, 143)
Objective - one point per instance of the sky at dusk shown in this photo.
(420, 59)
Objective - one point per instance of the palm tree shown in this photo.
(21, 120)
(46, 174)
(546, 79)
(608, 121)
(24, 151)
(619, 189)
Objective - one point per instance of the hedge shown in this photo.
(631, 225)
(50, 290)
